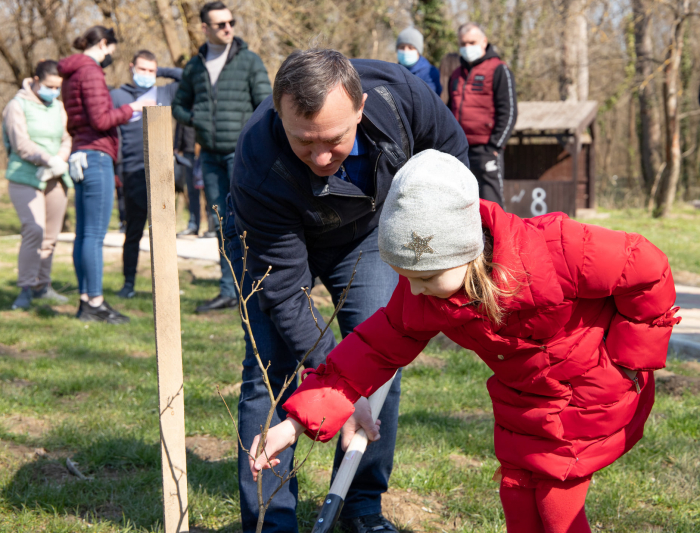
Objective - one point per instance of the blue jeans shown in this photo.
(217, 171)
(372, 288)
(94, 197)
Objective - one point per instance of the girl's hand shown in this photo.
(138, 106)
(279, 438)
(360, 419)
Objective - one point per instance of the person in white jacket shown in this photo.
(38, 146)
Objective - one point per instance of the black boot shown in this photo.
(220, 302)
(101, 313)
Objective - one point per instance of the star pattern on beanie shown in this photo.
(420, 245)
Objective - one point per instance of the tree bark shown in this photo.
(48, 9)
(650, 134)
(167, 23)
(574, 81)
(192, 25)
(669, 183)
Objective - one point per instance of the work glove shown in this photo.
(76, 163)
(57, 166)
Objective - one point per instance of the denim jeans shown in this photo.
(94, 197)
(217, 171)
(372, 288)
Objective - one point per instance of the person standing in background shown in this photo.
(221, 87)
(409, 51)
(184, 146)
(482, 98)
(92, 122)
(38, 145)
(144, 70)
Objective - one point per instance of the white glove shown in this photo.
(44, 173)
(76, 163)
(58, 166)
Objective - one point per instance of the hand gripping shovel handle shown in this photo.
(333, 502)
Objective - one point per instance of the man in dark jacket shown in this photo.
(220, 89)
(311, 173)
(144, 70)
(482, 98)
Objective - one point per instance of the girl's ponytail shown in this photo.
(482, 288)
(80, 43)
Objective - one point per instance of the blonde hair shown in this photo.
(481, 287)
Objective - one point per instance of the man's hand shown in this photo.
(360, 419)
(279, 438)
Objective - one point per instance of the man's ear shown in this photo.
(362, 107)
(131, 66)
(204, 27)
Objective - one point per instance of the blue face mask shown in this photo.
(48, 95)
(407, 58)
(144, 81)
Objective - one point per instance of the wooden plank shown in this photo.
(565, 116)
(160, 179)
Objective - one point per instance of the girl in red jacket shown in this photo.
(572, 319)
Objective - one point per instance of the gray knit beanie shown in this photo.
(430, 219)
(411, 36)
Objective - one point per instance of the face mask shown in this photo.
(48, 95)
(407, 58)
(107, 61)
(144, 81)
(471, 53)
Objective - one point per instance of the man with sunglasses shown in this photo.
(221, 87)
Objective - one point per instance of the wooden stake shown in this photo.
(160, 179)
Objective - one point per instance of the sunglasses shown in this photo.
(222, 25)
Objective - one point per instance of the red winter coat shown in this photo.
(92, 120)
(563, 408)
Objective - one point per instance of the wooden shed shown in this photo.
(550, 159)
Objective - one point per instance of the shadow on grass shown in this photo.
(124, 484)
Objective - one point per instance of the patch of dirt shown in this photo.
(232, 389)
(16, 353)
(199, 269)
(18, 383)
(321, 296)
(428, 361)
(19, 451)
(109, 511)
(464, 461)
(141, 355)
(684, 277)
(675, 385)
(413, 512)
(692, 367)
(52, 472)
(209, 448)
(26, 425)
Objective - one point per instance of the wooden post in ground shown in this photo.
(160, 179)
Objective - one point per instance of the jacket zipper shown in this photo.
(464, 90)
(636, 384)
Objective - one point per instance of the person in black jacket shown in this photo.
(144, 70)
(313, 167)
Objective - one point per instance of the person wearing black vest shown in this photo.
(221, 87)
(482, 98)
(144, 70)
(313, 167)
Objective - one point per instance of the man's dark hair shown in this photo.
(45, 68)
(307, 76)
(211, 6)
(93, 36)
(144, 54)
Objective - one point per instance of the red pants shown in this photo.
(543, 506)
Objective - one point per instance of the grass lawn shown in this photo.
(89, 393)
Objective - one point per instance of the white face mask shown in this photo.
(471, 53)
(407, 58)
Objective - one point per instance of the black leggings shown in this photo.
(136, 210)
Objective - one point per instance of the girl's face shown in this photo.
(438, 283)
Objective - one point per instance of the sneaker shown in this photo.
(220, 302)
(101, 313)
(127, 291)
(47, 292)
(122, 227)
(191, 230)
(208, 235)
(368, 524)
(24, 300)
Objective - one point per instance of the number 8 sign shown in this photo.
(538, 206)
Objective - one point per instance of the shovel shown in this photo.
(333, 502)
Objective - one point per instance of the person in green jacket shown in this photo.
(38, 144)
(220, 88)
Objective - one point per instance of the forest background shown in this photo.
(640, 59)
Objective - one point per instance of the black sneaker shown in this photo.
(220, 302)
(368, 524)
(101, 313)
(208, 235)
(191, 230)
(127, 291)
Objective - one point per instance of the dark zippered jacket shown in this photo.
(218, 115)
(290, 214)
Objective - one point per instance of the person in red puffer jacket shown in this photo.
(571, 318)
(92, 122)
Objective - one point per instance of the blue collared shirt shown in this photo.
(358, 167)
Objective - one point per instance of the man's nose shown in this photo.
(322, 158)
